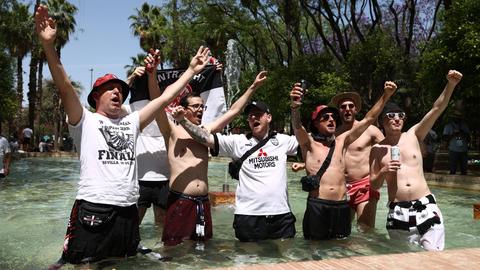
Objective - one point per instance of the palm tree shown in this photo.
(58, 113)
(136, 62)
(18, 33)
(63, 13)
(149, 24)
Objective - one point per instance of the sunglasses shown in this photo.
(326, 116)
(196, 107)
(392, 115)
(345, 106)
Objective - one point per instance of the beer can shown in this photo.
(395, 152)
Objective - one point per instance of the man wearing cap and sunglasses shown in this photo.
(188, 214)
(413, 213)
(262, 210)
(327, 215)
(362, 199)
(104, 218)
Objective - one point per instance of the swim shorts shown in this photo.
(325, 219)
(188, 218)
(153, 192)
(249, 228)
(419, 221)
(98, 231)
(359, 191)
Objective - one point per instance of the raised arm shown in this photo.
(389, 89)
(47, 31)
(301, 134)
(137, 73)
(154, 92)
(421, 129)
(198, 62)
(237, 107)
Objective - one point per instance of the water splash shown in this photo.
(232, 71)
(232, 75)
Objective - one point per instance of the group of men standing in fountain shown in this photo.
(342, 161)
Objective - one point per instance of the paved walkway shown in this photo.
(449, 259)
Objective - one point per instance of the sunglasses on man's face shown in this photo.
(196, 107)
(393, 115)
(326, 116)
(345, 106)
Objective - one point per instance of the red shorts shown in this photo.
(183, 214)
(359, 191)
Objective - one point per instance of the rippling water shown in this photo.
(36, 199)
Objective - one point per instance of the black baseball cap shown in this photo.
(256, 104)
(390, 107)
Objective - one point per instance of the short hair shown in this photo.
(184, 100)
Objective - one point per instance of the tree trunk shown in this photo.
(32, 89)
(39, 101)
(19, 86)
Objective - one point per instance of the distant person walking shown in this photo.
(27, 138)
(5, 157)
(457, 134)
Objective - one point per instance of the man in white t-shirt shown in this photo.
(262, 210)
(152, 161)
(104, 218)
(5, 157)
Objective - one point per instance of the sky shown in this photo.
(103, 41)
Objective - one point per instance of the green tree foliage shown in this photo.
(8, 97)
(7, 93)
(456, 47)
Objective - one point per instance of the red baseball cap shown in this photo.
(320, 108)
(103, 80)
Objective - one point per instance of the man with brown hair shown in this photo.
(413, 212)
(363, 200)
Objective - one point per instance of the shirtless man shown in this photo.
(363, 199)
(327, 214)
(413, 213)
(188, 209)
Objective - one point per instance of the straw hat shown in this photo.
(354, 96)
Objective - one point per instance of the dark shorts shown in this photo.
(325, 219)
(153, 192)
(254, 228)
(26, 140)
(115, 234)
(183, 217)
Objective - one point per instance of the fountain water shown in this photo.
(232, 75)
(36, 199)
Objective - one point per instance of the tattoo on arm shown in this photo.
(296, 123)
(199, 134)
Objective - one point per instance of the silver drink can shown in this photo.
(395, 152)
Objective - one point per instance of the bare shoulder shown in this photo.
(411, 132)
(375, 133)
(374, 130)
